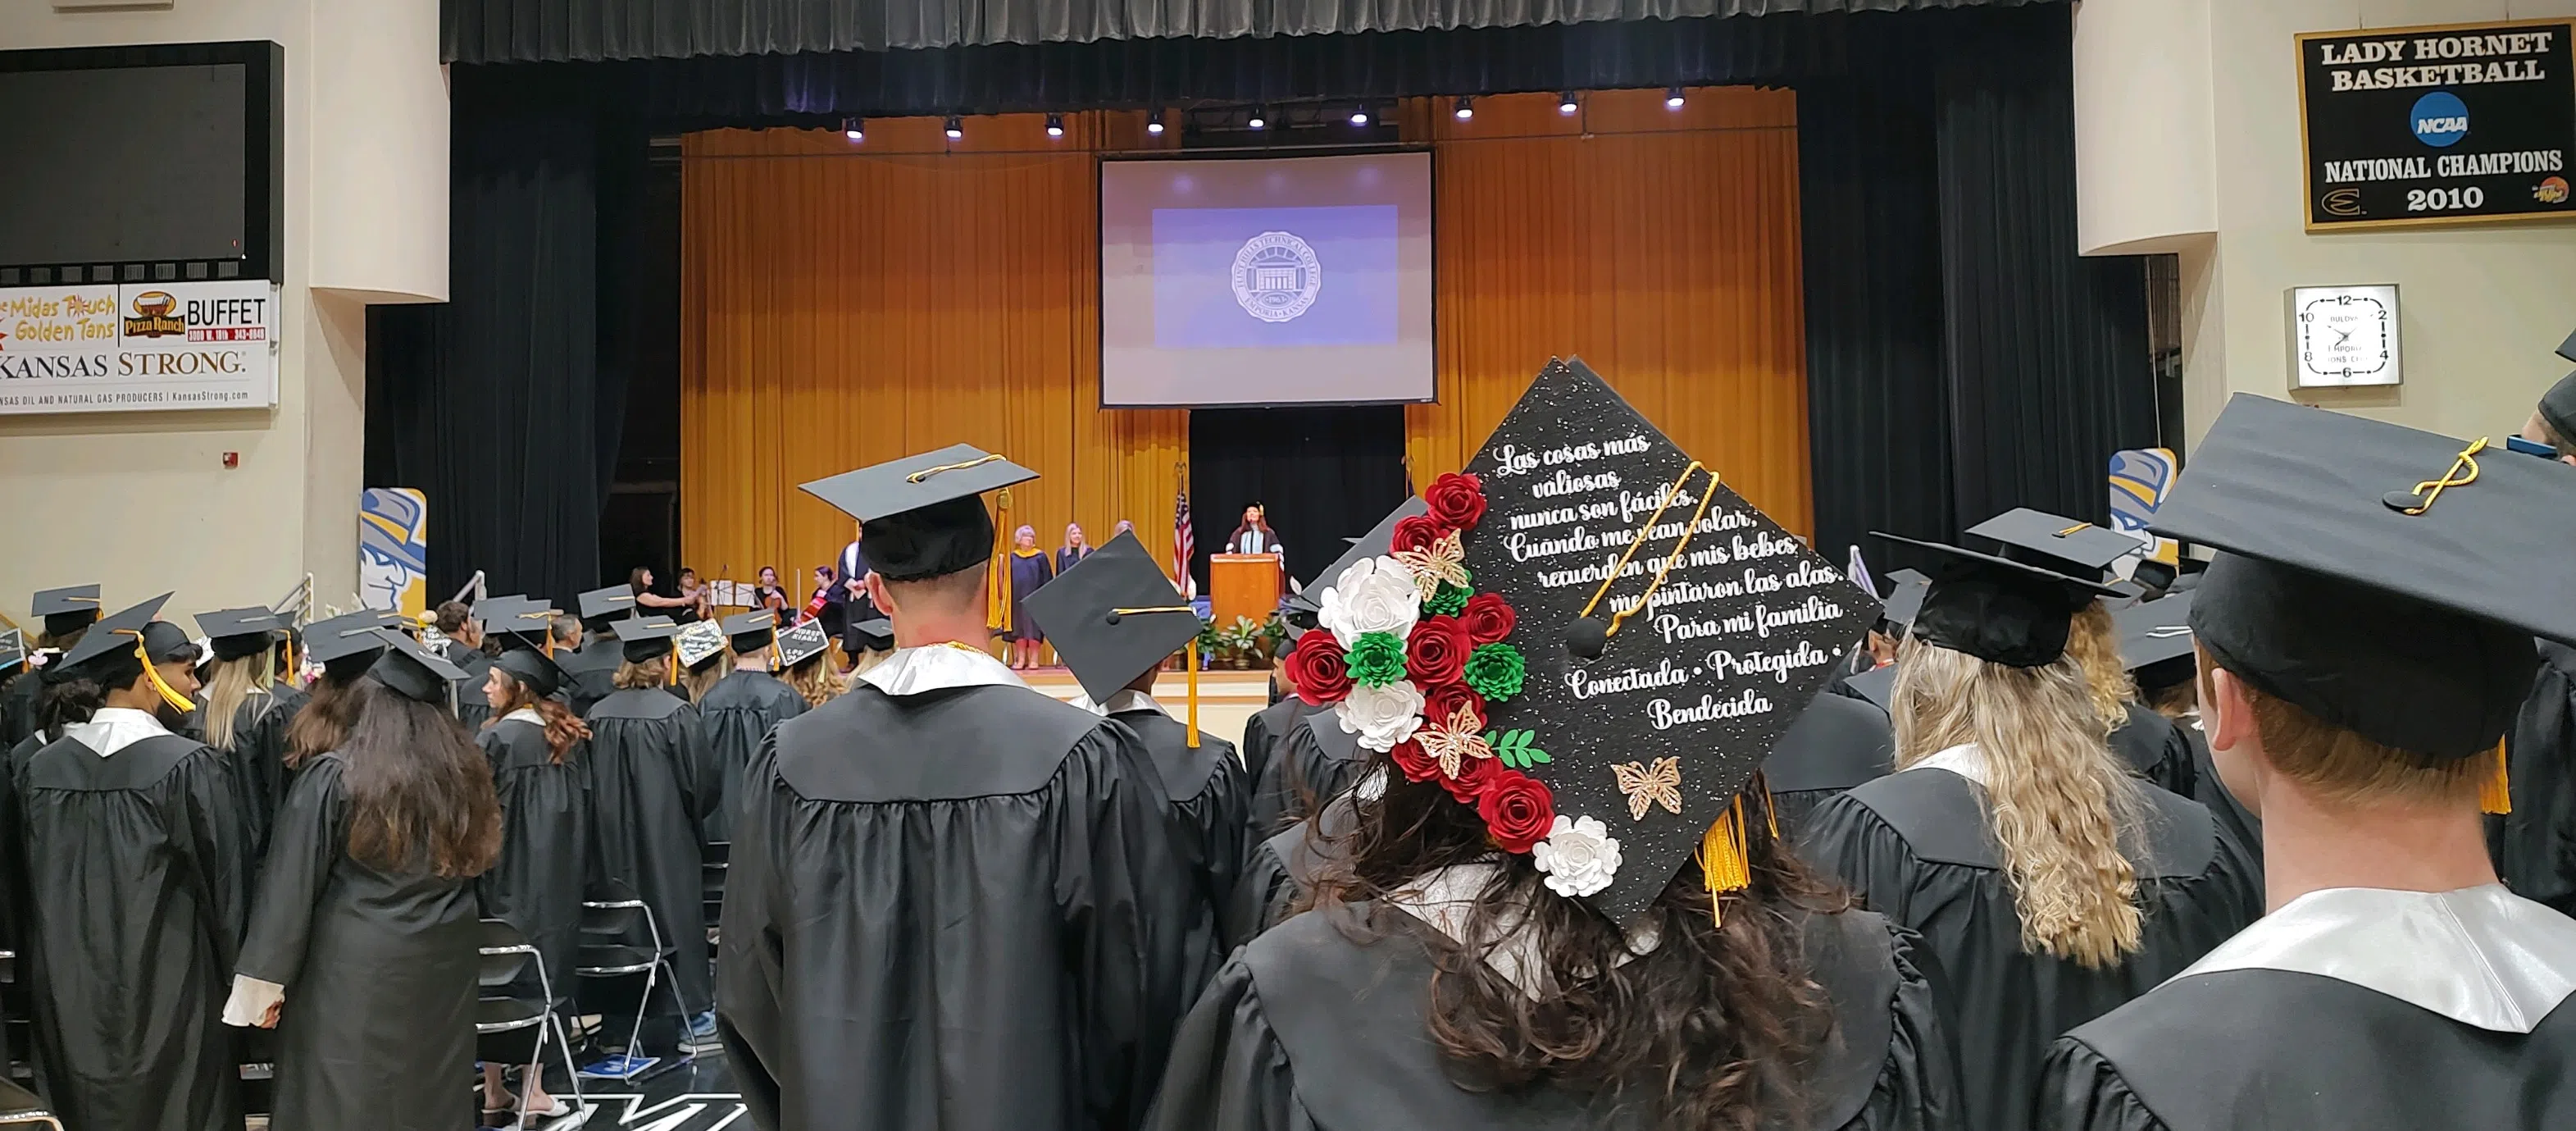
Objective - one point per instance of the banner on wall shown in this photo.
(138, 347)
(2140, 477)
(2467, 123)
(393, 549)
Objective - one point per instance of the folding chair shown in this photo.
(20, 1108)
(718, 854)
(612, 914)
(509, 1031)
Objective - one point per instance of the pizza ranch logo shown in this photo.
(156, 315)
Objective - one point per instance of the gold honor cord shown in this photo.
(1192, 662)
(169, 694)
(926, 473)
(1638, 538)
(2465, 461)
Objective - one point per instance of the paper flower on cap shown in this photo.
(1381, 716)
(1579, 856)
(1373, 595)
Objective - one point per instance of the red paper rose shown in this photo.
(1518, 810)
(1473, 777)
(1489, 618)
(1440, 703)
(1416, 532)
(1458, 501)
(1416, 763)
(1437, 652)
(1316, 669)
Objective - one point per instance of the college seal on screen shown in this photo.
(1276, 276)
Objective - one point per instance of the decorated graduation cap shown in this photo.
(131, 636)
(877, 634)
(1591, 640)
(234, 633)
(925, 514)
(2056, 543)
(413, 672)
(1114, 616)
(1997, 609)
(752, 631)
(2155, 640)
(699, 643)
(538, 671)
(67, 609)
(600, 606)
(1373, 544)
(2385, 580)
(801, 642)
(645, 639)
(1905, 599)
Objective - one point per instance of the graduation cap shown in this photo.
(877, 634)
(1878, 685)
(130, 634)
(1997, 609)
(13, 649)
(2056, 543)
(802, 642)
(65, 610)
(519, 622)
(607, 604)
(2558, 406)
(1905, 599)
(645, 639)
(1114, 616)
(2384, 579)
(534, 668)
(234, 633)
(347, 645)
(1373, 544)
(413, 672)
(699, 642)
(1708, 629)
(2155, 640)
(752, 631)
(925, 513)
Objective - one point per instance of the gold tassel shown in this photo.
(2495, 794)
(1722, 861)
(1193, 650)
(169, 694)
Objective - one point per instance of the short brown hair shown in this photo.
(2344, 766)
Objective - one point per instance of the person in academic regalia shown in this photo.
(2155, 636)
(464, 633)
(2364, 637)
(806, 650)
(246, 707)
(955, 904)
(590, 671)
(2535, 845)
(347, 647)
(67, 614)
(1839, 744)
(704, 661)
(1030, 568)
(1312, 757)
(1255, 535)
(1115, 618)
(1075, 548)
(361, 948)
(1279, 872)
(1872, 668)
(536, 746)
(130, 888)
(650, 792)
(2049, 882)
(741, 709)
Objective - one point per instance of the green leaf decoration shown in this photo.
(1516, 749)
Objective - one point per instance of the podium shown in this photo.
(1243, 585)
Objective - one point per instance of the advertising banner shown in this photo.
(138, 347)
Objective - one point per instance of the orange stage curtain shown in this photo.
(1662, 249)
(844, 306)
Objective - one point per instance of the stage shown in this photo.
(1226, 698)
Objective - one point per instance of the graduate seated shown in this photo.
(2365, 639)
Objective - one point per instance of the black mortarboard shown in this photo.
(2412, 630)
(1695, 688)
(66, 610)
(2157, 577)
(13, 649)
(2055, 542)
(1095, 613)
(113, 635)
(346, 645)
(412, 672)
(518, 622)
(925, 514)
(802, 642)
(2558, 407)
(1878, 685)
(2155, 640)
(234, 633)
(607, 604)
(752, 631)
(1997, 609)
(1373, 544)
(534, 668)
(1906, 599)
(645, 639)
(700, 642)
(165, 642)
(875, 635)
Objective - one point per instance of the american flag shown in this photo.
(1185, 543)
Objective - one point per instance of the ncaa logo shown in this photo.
(2439, 119)
(1276, 277)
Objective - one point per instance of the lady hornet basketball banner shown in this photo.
(2437, 125)
(138, 347)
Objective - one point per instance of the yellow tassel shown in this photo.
(1722, 861)
(169, 694)
(1193, 650)
(2495, 795)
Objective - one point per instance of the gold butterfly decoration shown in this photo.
(1647, 788)
(1443, 560)
(1455, 741)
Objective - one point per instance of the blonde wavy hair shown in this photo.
(233, 684)
(2059, 803)
(697, 683)
(2094, 641)
(815, 681)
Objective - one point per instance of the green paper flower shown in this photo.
(1448, 601)
(1494, 671)
(1376, 659)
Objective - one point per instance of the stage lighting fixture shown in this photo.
(854, 129)
(1565, 103)
(956, 129)
(1359, 115)
(1055, 125)
(1466, 108)
(1256, 121)
(1154, 123)
(1673, 98)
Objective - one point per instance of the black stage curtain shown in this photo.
(491, 403)
(527, 31)
(1324, 474)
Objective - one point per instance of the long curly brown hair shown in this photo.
(562, 727)
(420, 791)
(1714, 1028)
(322, 724)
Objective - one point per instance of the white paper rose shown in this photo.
(1381, 716)
(1373, 595)
(1579, 856)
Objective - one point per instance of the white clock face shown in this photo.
(2344, 336)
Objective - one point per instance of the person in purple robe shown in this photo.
(1030, 568)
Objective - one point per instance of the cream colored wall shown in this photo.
(140, 502)
(2187, 140)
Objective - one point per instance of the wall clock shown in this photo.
(2344, 336)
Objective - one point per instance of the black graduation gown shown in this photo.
(18, 707)
(2152, 745)
(2536, 844)
(1265, 730)
(1315, 763)
(2234, 819)
(739, 712)
(648, 794)
(593, 668)
(259, 763)
(2275, 1050)
(1308, 1030)
(132, 873)
(1915, 845)
(472, 708)
(1282, 869)
(537, 882)
(1209, 797)
(958, 910)
(1838, 743)
(379, 968)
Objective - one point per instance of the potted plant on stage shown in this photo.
(1240, 643)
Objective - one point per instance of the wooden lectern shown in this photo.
(1243, 585)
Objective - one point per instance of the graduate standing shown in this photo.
(1839, 744)
(246, 707)
(955, 904)
(536, 746)
(66, 613)
(806, 652)
(741, 709)
(649, 792)
(2365, 636)
(591, 670)
(361, 950)
(133, 878)
(464, 633)
(2049, 883)
(1315, 758)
